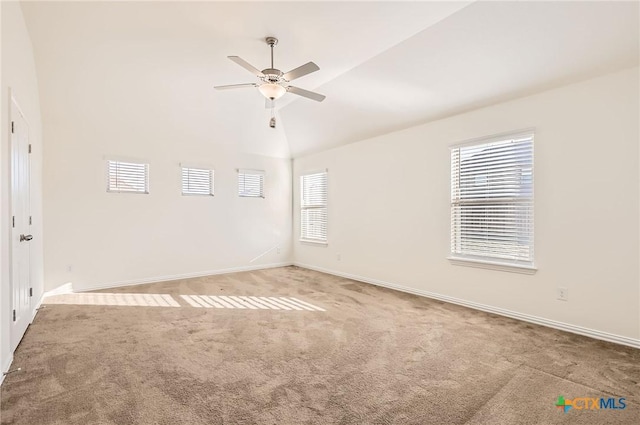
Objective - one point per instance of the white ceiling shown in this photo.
(383, 65)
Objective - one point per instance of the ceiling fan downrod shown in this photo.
(271, 41)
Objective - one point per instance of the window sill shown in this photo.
(492, 265)
(138, 192)
(312, 242)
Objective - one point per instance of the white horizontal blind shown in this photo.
(197, 181)
(127, 177)
(492, 200)
(251, 183)
(313, 207)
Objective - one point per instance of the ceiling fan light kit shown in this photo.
(273, 83)
(272, 91)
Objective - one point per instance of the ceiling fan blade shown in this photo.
(306, 93)
(269, 103)
(301, 71)
(246, 65)
(235, 86)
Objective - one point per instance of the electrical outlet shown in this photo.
(338, 257)
(69, 268)
(563, 294)
(278, 250)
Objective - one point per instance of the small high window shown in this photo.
(197, 181)
(131, 177)
(251, 183)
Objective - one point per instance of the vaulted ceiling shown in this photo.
(383, 65)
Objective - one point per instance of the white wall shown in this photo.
(389, 207)
(116, 238)
(19, 76)
(96, 239)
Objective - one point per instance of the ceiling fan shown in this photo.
(273, 83)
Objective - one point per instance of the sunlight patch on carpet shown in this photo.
(102, 298)
(251, 303)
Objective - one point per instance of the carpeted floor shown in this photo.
(374, 356)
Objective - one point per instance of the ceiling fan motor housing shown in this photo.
(272, 75)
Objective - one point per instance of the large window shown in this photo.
(313, 207)
(251, 183)
(129, 177)
(492, 200)
(197, 181)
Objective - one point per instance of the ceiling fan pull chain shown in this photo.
(272, 121)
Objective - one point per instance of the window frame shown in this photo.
(261, 173)
(211, 172)
(146, 166)
(324, 206)
(488, 261)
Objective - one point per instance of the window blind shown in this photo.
(127, 177)
(251, 183)
(197, 181)
(313, 207)
(492, 200)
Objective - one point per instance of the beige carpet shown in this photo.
(374, 356)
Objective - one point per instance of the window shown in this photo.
(492, 201)
(197, 181)
(129, 177)
(251, 183)
(313, 207)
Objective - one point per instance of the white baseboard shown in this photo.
(5, 367)
(604, 336)
(108, 285)
(35, 309)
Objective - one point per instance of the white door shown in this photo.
(20, 226)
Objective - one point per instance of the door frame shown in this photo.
(14, 106)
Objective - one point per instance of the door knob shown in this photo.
(26, 238)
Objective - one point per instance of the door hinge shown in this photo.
(14, 315)
(31, 292)
(29, 147)
(12, 129)
(29, 220)
(13, 221)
